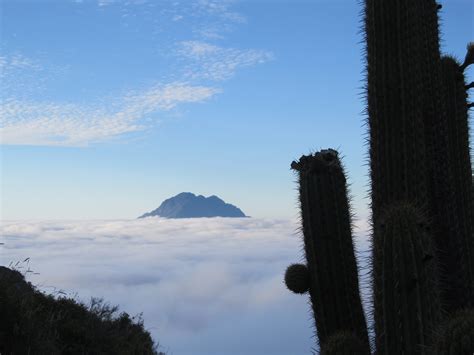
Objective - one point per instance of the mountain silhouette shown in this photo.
(188, 205)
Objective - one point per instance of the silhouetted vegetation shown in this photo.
(32, 322)
(422, 260)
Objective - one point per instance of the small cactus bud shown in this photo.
(297, 278)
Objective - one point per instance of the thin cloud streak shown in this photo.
(17, 61)
(52, 124)
(221, 8)
(212, 62)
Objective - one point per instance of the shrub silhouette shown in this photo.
(35, 323)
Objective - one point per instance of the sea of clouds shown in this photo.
(205, 286)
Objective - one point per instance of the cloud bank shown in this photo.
(205, 286)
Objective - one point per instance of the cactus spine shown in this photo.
(422, 193)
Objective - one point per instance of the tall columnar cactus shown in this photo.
(422, 195)
(406, 300)
(457, 251)
(395, 96)
(442, 175)
(332, 269)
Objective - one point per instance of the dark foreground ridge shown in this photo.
(35, 323)
(188, 205)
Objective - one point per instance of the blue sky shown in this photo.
(109, 107)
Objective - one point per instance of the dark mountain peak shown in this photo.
(188, 205)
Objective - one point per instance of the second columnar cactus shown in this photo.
(331, 265)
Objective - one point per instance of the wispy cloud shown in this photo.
(210, 18)
(25, 119)
(104, 2)
(53, 124)
(216, 18)
(20, 75)
(16, 62)
(221, 8)
(209, 61)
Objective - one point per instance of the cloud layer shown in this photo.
(205, 286)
